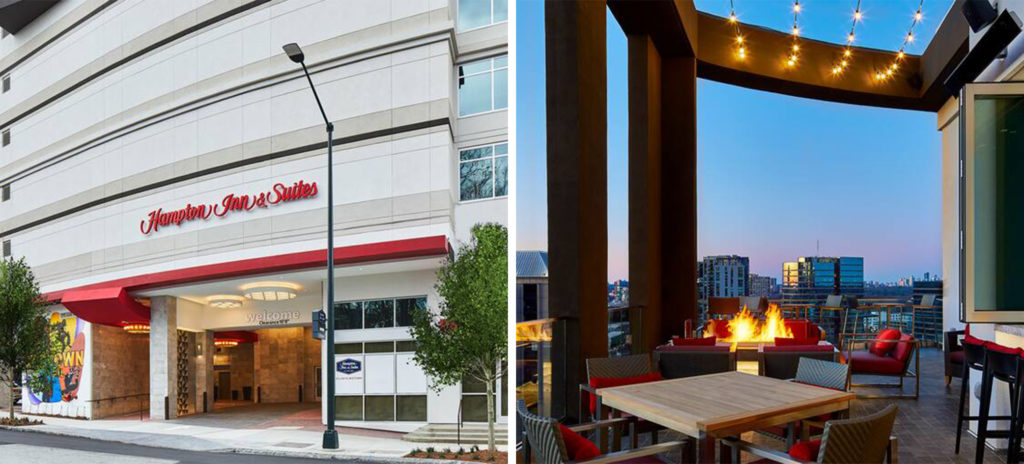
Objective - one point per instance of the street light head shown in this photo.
(294, 52)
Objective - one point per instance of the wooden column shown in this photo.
(645, 186)
(662, 191)
(679, 197)
(577, 191)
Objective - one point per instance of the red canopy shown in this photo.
(106, 306)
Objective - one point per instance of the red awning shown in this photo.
(106, 306)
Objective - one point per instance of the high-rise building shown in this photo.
(763, 285)
(811, 279)
(724, 276)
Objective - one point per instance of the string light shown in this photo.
(842, 62)
(794, 54)
(907, 39)
(741, 48)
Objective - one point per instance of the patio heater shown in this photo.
(330, 434)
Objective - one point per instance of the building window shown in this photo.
(474, 399)
(6, 193)
(480, 13)
(483, 86)
(6, 83)
(5, 139)
(375, 314)
(7, 248)
(483, 172)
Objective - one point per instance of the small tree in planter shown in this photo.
(27, 344)
(469, 334)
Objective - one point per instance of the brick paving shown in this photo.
(926, 428)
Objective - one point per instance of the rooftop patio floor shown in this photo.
(926, 428)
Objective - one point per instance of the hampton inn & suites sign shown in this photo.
(231, 203)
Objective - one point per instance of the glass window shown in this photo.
(380, 313)
(380, 347)
(380, 408)
(474, 408)
(483, 86)
(405, 307)
(483, 172)
(348, 315)
(348, 348)
(405, 346)
(480, 13)
(348, 408)
(411, 408)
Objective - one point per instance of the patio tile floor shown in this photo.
(926, 428)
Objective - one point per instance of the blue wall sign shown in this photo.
(349, 366)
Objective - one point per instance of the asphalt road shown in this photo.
(38, 448)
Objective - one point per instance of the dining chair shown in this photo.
(630, 369)
(861, 440)
(676, 362)
(811, 371)
(546, 438)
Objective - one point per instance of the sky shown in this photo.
(779, 177)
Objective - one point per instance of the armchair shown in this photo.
(546, 437)
(862, 440)
(879, 360)
(953, 354)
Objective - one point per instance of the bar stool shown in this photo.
(1000, 363)
(974, 358)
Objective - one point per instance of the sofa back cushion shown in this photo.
(902, 351)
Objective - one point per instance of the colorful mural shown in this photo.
(70, 361)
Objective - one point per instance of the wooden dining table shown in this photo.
(715, 406)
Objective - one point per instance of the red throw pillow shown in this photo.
(606, 382)
(903, 349)
(705, 341)
(576, 446)
(883, 348)
(806, 450)
(780, 341)
(720, 328)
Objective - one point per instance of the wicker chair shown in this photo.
(783, 362)
(821, 373)
(622, 366)
(863, 440)
(544, 438)
(675, 362)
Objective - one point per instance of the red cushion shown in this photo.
(883, 348)
(973, 340)
(806, 450)
(705, 341)
(866, 362)
(720, 328)
(606, 382)
(1002, 349)
(780, 341)
(903, 350)
(798, 348)
(799, 327)
(576, 446)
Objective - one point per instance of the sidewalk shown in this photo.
(220, 432)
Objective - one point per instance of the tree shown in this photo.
(468, 336)
(27, 345)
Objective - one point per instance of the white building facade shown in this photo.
(163, 166)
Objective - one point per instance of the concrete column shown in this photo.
(679, 197)
(577, 176)
(163, 358)
(204, 370)
(645, 190)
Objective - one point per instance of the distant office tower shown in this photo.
(811, 279)
(762, 285)
(724, 276)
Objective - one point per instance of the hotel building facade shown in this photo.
(163, 170)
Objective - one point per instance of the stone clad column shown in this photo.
(204, 370)
(577, 181)
(163, 357)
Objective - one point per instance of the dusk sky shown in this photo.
(776, 174)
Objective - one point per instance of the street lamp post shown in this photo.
(330, 435)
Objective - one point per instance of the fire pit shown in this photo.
(744, 329)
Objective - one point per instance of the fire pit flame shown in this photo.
(744, 327)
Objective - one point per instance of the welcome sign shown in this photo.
(231, 203)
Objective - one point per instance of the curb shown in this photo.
(254, 451)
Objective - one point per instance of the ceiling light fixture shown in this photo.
(270, 291)
(225, 343)
(225, 301)
(136, 328)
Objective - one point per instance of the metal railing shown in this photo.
(143, 397)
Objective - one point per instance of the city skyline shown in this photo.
(770, 187)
